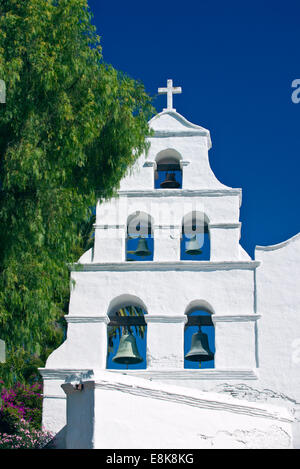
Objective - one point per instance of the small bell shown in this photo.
(142, 248)
(127, 353)
(170, 182)
(200, 351)
(192, 246)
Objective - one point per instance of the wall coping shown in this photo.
(186, 127)
(274, 247)
(105, 380)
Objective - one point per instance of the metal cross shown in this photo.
(169, 91)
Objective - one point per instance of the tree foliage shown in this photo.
(70, 129)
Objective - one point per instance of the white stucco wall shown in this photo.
(125, 412)
(254, 304)
(278, 301)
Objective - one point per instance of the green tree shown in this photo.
(70, 129)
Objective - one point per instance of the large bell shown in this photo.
(200, 351)
(127, 353)
(142, 248)
(170, 182)
(192, 246)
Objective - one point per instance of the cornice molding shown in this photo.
(225, 225)
(83, 319)
(165, 319)
(181, 193)
(235, 318)
(178, 133)
(106, 227)
(167, 227)
(172, 226)
(194, 266)
(63, 373)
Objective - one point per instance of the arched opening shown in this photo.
(195, 239)
(139, 239)
(126, 334)
(168, 172)
(199, 337)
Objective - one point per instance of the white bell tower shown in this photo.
(173, 192)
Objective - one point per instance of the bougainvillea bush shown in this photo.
(20, 417)
(25, 437)
(21, 401)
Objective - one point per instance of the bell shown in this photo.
(170, 182)
(192, 247)
(200, 351)
(142, 248)
(127, 353)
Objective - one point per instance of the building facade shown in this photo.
(169, 200)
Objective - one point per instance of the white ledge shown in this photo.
(225, 225)
(178, 133)
(180, 193)
(165, 319)
(106, 227)
(274, 247)
(235, 318)
(84, 319)
(172, 226)
(195, 266)
(63, 373)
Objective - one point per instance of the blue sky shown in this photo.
(235, 62)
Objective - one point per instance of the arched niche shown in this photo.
(195, 237)
(199, 333)
(168, 171)
(126, 317)
(139, 237)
